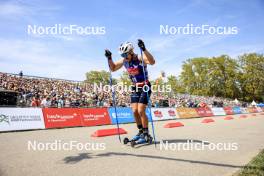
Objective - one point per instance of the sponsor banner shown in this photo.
(204, 112)
(163, 113)
(21, 119)
(172, 113)
(259, 109)
(94, 116)
(218, 111)
(252, 110)
(61, 117)
(125, 115)
(229, 110)
(237, 110)
(187, 112)
(244, 110)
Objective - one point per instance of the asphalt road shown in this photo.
(238, 141)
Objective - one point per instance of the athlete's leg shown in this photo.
(134, 107)
(142, 114)
(142, 104)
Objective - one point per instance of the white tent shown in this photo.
(253, 103)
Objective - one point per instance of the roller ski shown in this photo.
(135, 138)
(142, 139)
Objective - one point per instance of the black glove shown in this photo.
(108, 54)
(141, 45)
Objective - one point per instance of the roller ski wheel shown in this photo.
(133, 143)
(126, 141)
(149, 140)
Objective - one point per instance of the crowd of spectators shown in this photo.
(46, 92)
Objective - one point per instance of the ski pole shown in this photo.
(148, 99)
(114, 103)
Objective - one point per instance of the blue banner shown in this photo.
(237, 110)
(125, 115)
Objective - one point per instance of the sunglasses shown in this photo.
(125, 55)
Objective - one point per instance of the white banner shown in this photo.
(21, 119)
(163, 113)
(244, 110)
(218, 111)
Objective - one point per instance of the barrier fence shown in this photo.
(12, 119)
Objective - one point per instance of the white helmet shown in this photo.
(125, 47)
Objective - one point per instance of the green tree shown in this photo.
(251, 76)
(215, 76)
(98, 77)
(175, 84)
(194, 76)
(223, 77)
(124, 78)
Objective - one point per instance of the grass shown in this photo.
(254, 168)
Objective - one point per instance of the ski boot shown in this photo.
(144, 139)
(135, 138)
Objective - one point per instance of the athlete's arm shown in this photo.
(147, 57)
(115, 66)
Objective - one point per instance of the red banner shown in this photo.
(95, 116)
(229, 110)
(61, 117)
(204, 112)
(70, 117)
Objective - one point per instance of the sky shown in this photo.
(71, 56)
